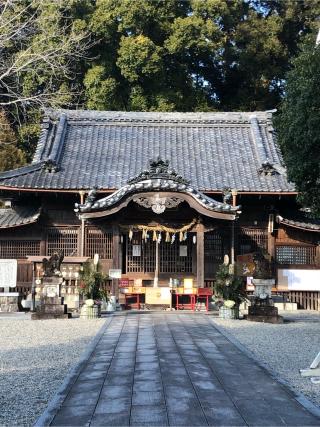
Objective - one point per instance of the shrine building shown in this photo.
(161, 197)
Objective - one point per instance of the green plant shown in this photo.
(92, 280)
(229, 286)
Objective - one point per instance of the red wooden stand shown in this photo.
(137, 296)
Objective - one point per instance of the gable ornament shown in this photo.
(157, 203)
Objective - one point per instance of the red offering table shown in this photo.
(137, 296)
(204, 293)
(190, 306)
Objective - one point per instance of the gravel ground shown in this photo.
(283, 348)
(35, 357)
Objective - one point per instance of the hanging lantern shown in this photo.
(167, 236)
(159, 237)
(154, 236)
(130, 234)
(185, 235)
(180, 236)
(173, 238)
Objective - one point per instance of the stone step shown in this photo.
(45, 316)
(53, 308)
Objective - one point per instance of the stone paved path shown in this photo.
(178, 370)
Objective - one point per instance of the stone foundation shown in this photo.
(52, 305)
(9, 302)
(263, 313)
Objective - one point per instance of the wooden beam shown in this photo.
(192, 201)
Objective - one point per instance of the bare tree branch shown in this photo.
(45, 59)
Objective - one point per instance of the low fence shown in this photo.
(307, 300)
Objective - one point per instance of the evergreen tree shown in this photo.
(145, 55)
(298, 124)
(10, 155)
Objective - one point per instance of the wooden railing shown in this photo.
(307, 300)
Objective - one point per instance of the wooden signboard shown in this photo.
(8, 273)
(299, 280)
(123, 283)
(245, 265)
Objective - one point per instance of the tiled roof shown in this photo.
(89, 149)
(300, 221)
(19, 215)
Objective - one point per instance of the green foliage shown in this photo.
(93, 279)
(298, 125)
(229, 286)
(10, 155)
(153, 55)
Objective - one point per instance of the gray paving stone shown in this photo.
(147, 366)
(148, 415)
(102, 366)
(73, 416)
(150, 385)
(147, 359)
(147, 375)
(119, 419)
(113, 405)
(145, 352)
(177, 392)
(183, 404)
(84, 398)
(86, 386)
(188, 418)
(148, 398)
(116, 391)
(194, 377)
(118, 379)
(223, 416)
(88, 375)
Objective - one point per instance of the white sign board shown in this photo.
(115, 274)
(183, 250)
(136, 250)
(8, 273)
(299, 280)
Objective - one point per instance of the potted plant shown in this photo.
(230, 289)
(92, 279)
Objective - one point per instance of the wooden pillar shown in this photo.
(81, 233)
(271, 237)
(156, 271)
(317, 260)
(200, 256)
(232, 245)
(43, 243)
(116, 257)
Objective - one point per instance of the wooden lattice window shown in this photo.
(305, 255)
(141, 256)
(19, 248)
(173, 258)
(64, 239)
(213, 252)
(98, 242)
(213, 247)
(252, 240)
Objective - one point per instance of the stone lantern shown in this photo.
(263, 309)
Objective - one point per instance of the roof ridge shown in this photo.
(94, 115)
(21, 171)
